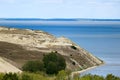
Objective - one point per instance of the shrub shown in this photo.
(73, 47)
(34, 76)
(61, 75)
(10, 76)
(71, 55)
(26, 77)
(33, 66)
(111, 77)
(91, 77)
(51, 68)
(54, 63)
(1, 76)
(73, 63)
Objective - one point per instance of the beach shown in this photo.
(79, 72)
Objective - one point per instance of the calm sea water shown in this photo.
(102, 41)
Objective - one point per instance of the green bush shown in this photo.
(26, 77)
(111, 77)
(1, 76)
(54, 63)
(33, 66)
(10, 76)
(51, 68)
(61, 75)
(34, 76)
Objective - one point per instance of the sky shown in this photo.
(100, 9)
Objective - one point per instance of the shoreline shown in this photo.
(84, 70)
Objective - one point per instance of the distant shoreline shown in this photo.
(60, 22)
(60, 19)
(84, 70)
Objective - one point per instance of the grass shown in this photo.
(26, 76)
(61, 76)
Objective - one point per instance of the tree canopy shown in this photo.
(53, 62)
(33, 66)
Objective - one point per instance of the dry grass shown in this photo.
(18, 54)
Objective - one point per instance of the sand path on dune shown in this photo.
(6, 67)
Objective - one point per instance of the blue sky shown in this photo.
(109, 9)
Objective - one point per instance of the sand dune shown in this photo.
(6, 67)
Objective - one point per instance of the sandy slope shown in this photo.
(6, 67)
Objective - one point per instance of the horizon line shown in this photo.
(60, 19)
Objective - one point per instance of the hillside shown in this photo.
(18, 46)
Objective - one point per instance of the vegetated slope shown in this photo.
(17, 55)
(18, 46)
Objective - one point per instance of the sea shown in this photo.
(100, 38)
